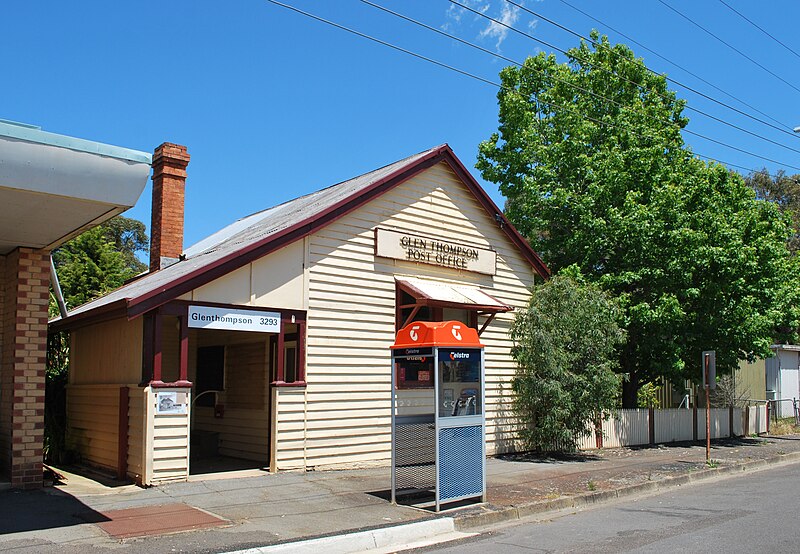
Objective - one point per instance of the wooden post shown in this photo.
(731, 434)
(708, 410)
(122, 437)
(651, 425)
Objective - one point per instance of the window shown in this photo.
(292, 370)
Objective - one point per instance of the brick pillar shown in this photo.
(26, 282)
(166, 225)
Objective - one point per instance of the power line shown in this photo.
(567, 83)
(564, 52)
(384, 43)
(494, 84)
(640, 64)
(732, 47)
(685, 70)
(754, 24)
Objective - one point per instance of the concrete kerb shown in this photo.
(492, 516)
(381, 539)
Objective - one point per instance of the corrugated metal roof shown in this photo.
(449, 293)
(248, 230)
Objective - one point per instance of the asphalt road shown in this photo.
(752, 512)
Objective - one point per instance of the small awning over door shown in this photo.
(446, 295)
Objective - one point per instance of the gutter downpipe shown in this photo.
(62, 306)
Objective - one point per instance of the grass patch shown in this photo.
(784, 426)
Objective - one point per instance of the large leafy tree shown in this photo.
(564, 345)
(100, 260)
(590, 157)
(784, 191)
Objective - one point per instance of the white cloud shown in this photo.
(454, 12)
(509, 15)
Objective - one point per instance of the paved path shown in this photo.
(266, 509)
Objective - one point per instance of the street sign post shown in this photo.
(709, 382)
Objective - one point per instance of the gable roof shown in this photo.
(264, 232)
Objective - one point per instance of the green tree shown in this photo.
(100, 260)
(129, 237)
(590, 157)
(565, 347)
(784, 191)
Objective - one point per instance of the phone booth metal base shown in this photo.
(438, 416)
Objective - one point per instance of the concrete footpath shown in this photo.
(347, 511)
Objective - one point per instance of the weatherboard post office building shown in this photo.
(267, 344)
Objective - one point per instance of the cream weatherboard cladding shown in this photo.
(343, 415)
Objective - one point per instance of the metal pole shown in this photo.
(394, 432)
(708, 411)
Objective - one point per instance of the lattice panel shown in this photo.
(460, 462)
(415, 457)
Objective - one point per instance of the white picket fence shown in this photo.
(632, 427)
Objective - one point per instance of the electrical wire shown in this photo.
(688, 107)
(696, 24)
(492, 83)
(784, 128)
(384, 43)
(567, 83)
(754, 24)
(640, 64)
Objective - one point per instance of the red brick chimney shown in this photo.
(166, 226)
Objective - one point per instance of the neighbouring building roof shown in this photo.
(261, 233)
(71, 184)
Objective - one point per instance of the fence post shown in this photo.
(694, 423)
(651, 420)
(767, 411)
(746, 423)
(598, 432)
(730, 422)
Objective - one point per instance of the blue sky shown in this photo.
(272, 104)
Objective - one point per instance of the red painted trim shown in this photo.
(157, 348)
(279, 374)
(170, 385)
(122, 436)
(148, 334)
(303, 228)
(296, 384)
(183, 369)
(301, 352)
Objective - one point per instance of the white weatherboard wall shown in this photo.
(343, 416)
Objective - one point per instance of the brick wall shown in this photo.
(166, 225)
(26, 282)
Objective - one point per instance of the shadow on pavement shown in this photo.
(549, 457)
(42, 509)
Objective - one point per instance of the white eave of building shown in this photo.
(53, 187)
